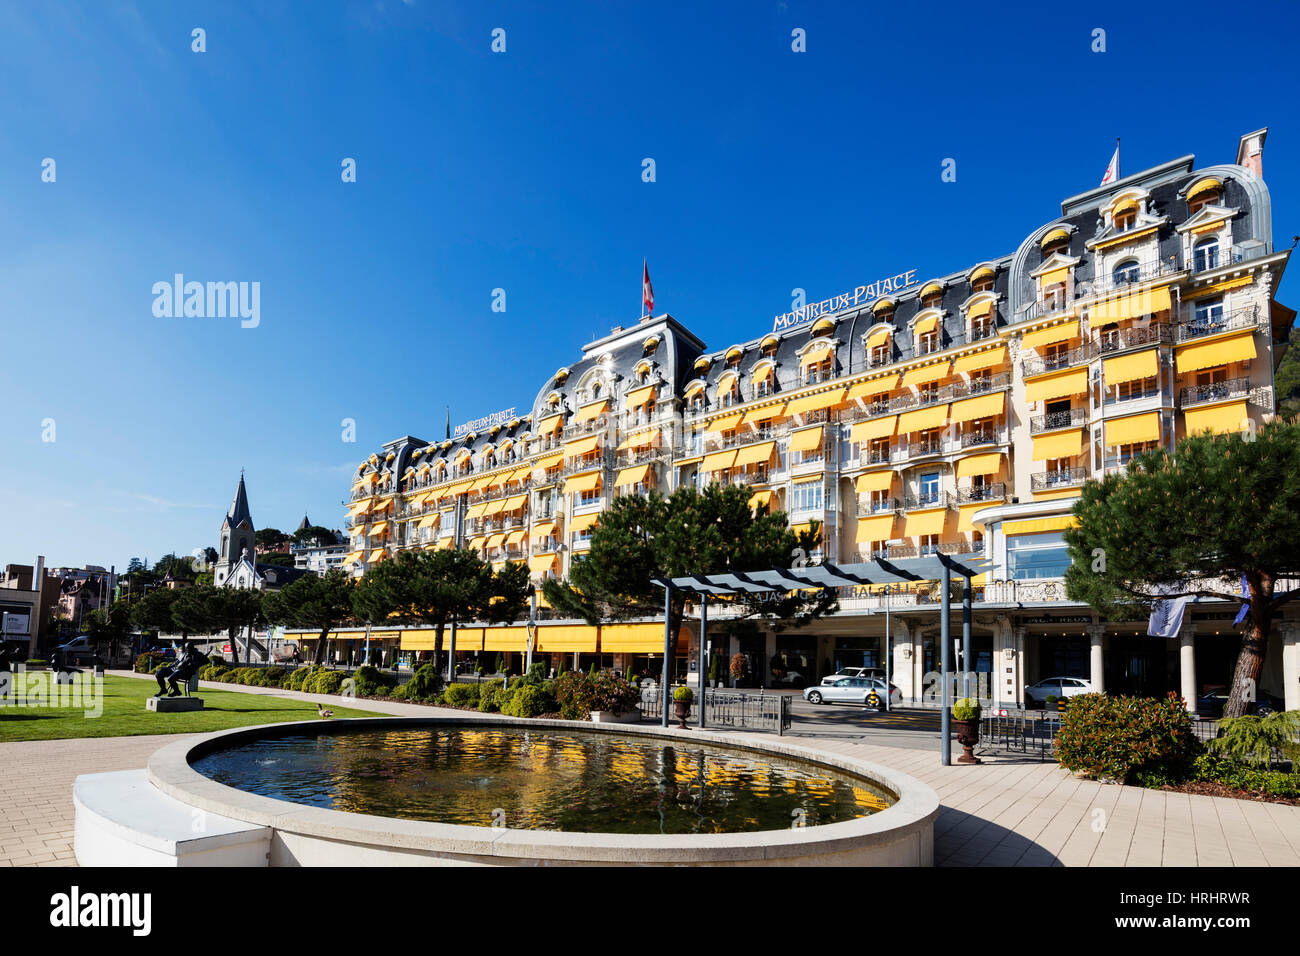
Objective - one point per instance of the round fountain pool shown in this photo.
(503, 791)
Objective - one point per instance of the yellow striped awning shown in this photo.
(987, 464)
(541, 563)
(755, 415)
(879, 335)
(925, 325)
(966, 514)
(379, 528)
(1074, 382)
(1218, 419)
(481, 484)
(1219, 288)
(1053, 235)
(980, 309)
(925, 373)
(428, 521)
(543, 530)
(719, 460)
(631, 476)
(1208, 184)
(514, 502)
(981, 406)
(496, 540)
(549, 424)
(922, 419)
(819, 352)
(475, 510)
(753, 454)
(548, 461)
(1054, 277)
(1039, 525)
(875, 428)
(493, 507)
(639, 440)
(459, 488)
(1233, 348)
(520, 474)
(875, 481)
(639, 396)
(724, 423)
(1128, 368)
(1130, 305)
(499, 479)
(587, 412)
(383, 505)
(812, 403)
(583, 522)
(760, 374)
(353, 557)
(873, 386)
(759, 498)
(418, 500)
(925, 522)
(1051, 335)
(1134, 429)
(476, 543)
(579, 483)
(986, 359)
(806, 440)
(377, 555)
(581, 446)
(447, 543)
(1062, 445)
(360, 508)
(876, 528)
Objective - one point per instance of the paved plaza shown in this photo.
(1010, 811)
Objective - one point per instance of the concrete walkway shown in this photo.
(1007, 812)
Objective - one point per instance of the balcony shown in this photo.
(600, 462)
(1130, 276)
(983, 436)
(947, 393)
(926, 447)
(1074, 418)
(1214, 392)
(994, 492)
(1247, 317)
(1206, 260)
(878, 507)
(1119, 340)
(1133, 395)
(589, 427)
(742, 438)
(1061, 478)
(929, 499)
(1041, 365)
(549, 546)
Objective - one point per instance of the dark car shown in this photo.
(1209, 706)
(77, 651)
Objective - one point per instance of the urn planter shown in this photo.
(968, 735)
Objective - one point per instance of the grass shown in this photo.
(123, 714)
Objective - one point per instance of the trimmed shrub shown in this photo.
(1118, 736)
(528, 700)
(323, 682)
(1243, 776)
(1255, 740)
(683, 694)
(968, 708)
(372, 682)
(461, 695)
(575, 694)
(147, 662)
(536, 674)
(425, 684)
(299, 676)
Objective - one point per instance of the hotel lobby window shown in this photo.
(1032, 556)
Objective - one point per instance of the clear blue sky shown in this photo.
(522, 171)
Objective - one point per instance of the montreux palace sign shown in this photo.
(478, 424)
(848, 300)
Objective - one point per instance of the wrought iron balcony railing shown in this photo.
(1040, 365)
(1061, 478)
(1073, 418)
(992, 492)
(1212, 324)
(936, 499)
(1214, 392)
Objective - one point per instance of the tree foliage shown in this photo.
(320, 603)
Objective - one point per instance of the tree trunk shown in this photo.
(234, 645)
(437, 648)
(319, 657)
(1254, 644)
(677, 611)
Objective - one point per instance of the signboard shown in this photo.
(16, 622)
(478, 424)
(848, 300)
(1064, 619)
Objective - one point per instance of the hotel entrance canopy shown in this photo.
(934, 567)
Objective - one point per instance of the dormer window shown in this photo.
(1205, 255)
(880, 354)
(982, 282)
(1061, 246)
(1207, 192)
(1126, 272)
(1125, 220)
(932, 301)
(928, 342)
(981, 327)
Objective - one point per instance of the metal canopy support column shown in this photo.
(668, 633)
(704, 635)
(945, 668)
(967, 660)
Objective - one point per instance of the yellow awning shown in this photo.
(1054, 277)
(979, 465)
(878, 337)
(514, 502)
(383, 505)
(724, 423)
(645, 638)
(587, 412)
(353, 557)
(459, 488)
(631, 476)
(966, 514)
(493, 507)
(760, 374)
(581, 446)
(926, 325)
(511, 638)
(755, 415)
(496, 540)
(875, 481)
(924, 374)
(876, 528)
(922, 419)
(499, 479)
(875, 428)
(1233, 348)
(476, 543)
(360, 508)
(541, 563)
(428, 521)
(447, 543)
(925, 522)
(812, 403)
(753, 454)
(1051, 335)
(475, 510)
(806, 440)
(481, 484)
(583, 522)
(798, 529)
(520, 474)
(1129, 305)
(982, 406)
(377, 555)
(1219, 288)
(820, 352)
(418, 500)
(1219, 419)
(543, 530)
(640, 440)
(1062, 445)
(568, 638)
(1208, 184)
(1128, 368)
(580, 483)
(1054, 235)
(548, 461)
(1039, 525)
(986, 359)
(549, 424)
(1074, 382)
(380, 527)
(639, 396)
(759, 498)
(980, 309)
(1134, 429)
(872, 386)
(719, 460)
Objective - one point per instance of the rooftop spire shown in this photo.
(239, 515)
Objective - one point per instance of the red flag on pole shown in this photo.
(647, 292)
(1112, 171)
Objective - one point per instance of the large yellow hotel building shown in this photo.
(960, 413)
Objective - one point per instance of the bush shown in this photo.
(683, 694)
(613, 693)
(1118, 736)
(146, 663)
(323, 682)
(575, 694)
(528, 700)
(739, 666)
(968, 708)
(371, 681)
(1243, 776)
(425, 684)
(399, 692)
(300, 675)
(494, 698)
(461, 695)
(536, 674)
(1256, 739)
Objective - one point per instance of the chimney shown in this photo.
(1250, 151)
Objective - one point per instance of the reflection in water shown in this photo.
(576, 781)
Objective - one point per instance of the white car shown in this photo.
(1038, 693)
(844, 672)
(852, 690)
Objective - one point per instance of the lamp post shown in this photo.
(668, 633)
(945, 667)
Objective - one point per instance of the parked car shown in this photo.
(789, 679)
(77, 651)
(1209, 706)
(852, 690)
(1038, 693)
(844, 672)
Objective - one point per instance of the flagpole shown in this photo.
(1117, 173)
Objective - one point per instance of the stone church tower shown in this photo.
(237, 537)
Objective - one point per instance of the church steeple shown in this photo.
(237, 537)
(239, 516)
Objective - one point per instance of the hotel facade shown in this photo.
(960, 413)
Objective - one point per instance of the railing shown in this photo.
(995, 491)
(879, 506)
(603, 461)
(983, 436)
(1036, 365)
(1032, 733)
(1243, 318)
(1134, 338)
(1204, 260)
(1133, 395)
(1214, 392)
(549, 546)
(748, 437)
(727, 708)
(1061, 478)
(1135, 275)
(936, 499)
(591, 426)
(946, 393)
(1075, 418)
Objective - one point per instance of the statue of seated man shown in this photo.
(187, 665)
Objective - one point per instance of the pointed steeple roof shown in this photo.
(239, 516)
(306, 523)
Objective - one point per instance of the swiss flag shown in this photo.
(647, 291)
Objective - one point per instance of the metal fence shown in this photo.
(1033, 732)
(727, 709)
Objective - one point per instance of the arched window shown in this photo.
(595, 390)
(1126, 272)
(1205, 255)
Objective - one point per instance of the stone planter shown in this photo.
(610, 717)
(968, 735)
(682, 710)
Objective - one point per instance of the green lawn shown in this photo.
(124, 714)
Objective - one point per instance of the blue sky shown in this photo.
(519, 170)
